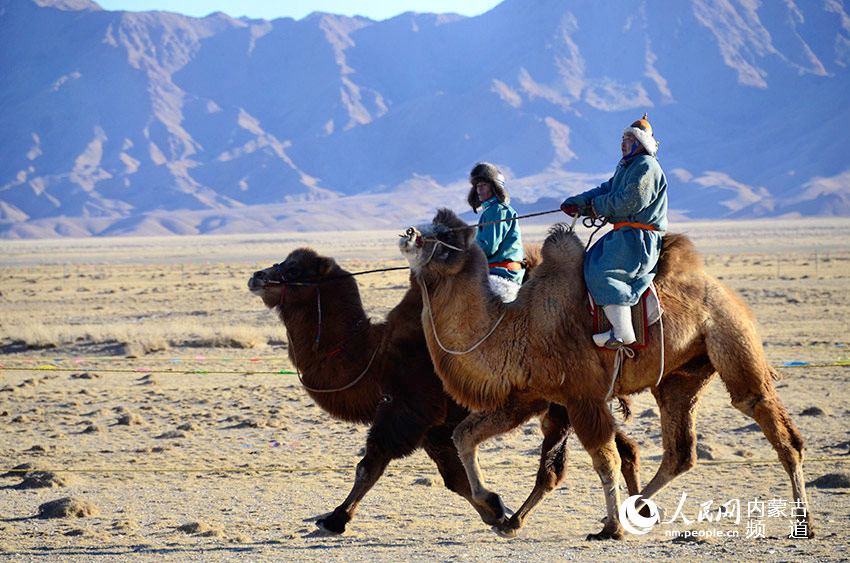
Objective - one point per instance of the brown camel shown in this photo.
(381, 375)
(539, 347)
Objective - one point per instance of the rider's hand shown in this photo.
(571, 209)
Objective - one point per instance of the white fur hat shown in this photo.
(642, 131)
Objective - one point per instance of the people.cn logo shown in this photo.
(632, 521)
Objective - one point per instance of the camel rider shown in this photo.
(621, 265)
(501, 242)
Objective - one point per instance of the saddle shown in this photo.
(645, 313)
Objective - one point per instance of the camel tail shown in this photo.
(626, 409)
(774, 375)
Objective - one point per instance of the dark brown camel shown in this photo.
(386, 380)
(539, 347)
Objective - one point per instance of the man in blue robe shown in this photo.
(622, 264)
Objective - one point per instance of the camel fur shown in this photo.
(542, 349)
(399, 395)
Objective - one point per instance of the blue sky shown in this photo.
(271, 9)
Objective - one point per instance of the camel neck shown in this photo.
(468, 327)
(318, 334)
(341, 353)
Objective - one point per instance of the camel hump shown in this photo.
(561, 240)
(449, 218)
(533, 255)
(678, 254)
(562, 251)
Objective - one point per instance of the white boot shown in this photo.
(622, 332)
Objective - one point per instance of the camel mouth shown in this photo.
(411, 239)
(256, 286)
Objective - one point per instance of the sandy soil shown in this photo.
(223, 458)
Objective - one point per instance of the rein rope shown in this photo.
(344, 387)
(317, 283)
(434, 326)
(475, 226)
(332, 278)
(589, 222)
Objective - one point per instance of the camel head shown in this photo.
(441, 246)
(302, 266)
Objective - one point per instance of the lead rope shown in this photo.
(620, 355)
(589, 222)
(661, 333)
(625, 352)
(343, 388)
(319, 307)
(434, 327)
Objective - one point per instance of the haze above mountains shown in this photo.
(157, 123)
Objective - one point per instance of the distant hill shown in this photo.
(155, 123)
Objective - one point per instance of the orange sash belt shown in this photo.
(621, 224)
(507, 265)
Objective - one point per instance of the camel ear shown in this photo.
(325, 265)
(469, 236)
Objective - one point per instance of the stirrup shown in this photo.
(609, 341)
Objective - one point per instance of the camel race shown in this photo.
(488, 280)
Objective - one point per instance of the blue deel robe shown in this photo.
(620, 266)
(501, 242)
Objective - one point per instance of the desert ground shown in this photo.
(141, 379)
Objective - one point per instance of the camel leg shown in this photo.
(594, 426)
(606, 462)
(678, 397)
(769, 412)
(749, 380)
(629, 461)
(439, 447)
(553, 467)
(369, 470)
(478, 427)
(388, 440)
(554, 454)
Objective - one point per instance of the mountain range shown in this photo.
(154, 123)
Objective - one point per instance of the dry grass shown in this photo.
(151, 337)
(151, 308)
(154, 295)
(144, 307)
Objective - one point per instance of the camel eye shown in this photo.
(293, 273)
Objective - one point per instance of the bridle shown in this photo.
(341, 348)
(317, 284)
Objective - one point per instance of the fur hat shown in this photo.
(486, 172)
(642, 131)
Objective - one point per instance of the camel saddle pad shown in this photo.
(645, 312)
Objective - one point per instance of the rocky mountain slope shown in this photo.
(154, 122)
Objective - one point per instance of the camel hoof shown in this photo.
(508, 533)
(605, 535)
(329, 528)
(493, 503)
